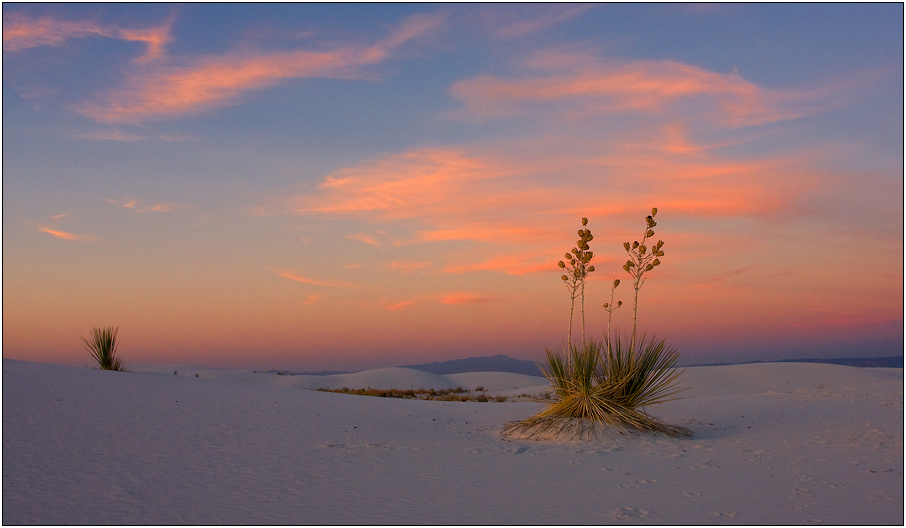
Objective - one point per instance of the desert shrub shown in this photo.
(482, 398)
(102, 347)
(479, 388)
(604, 384)
(500, 399)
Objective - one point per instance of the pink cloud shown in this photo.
(312, 299)
(21, 32)
(333, 284)
(580, 85)
(467, 298)
(508, 22)
(215, 81)
(537, 262)
(64, 235)
(533, 198)
(409, 266)
(445, 298)
(365, 239)
(134, 205)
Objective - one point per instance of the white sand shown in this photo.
(775, 443)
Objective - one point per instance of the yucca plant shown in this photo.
(102, 347)
(603, 384)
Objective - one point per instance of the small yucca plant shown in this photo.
(604, 384)
(102, 347)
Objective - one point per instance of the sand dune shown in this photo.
(384, 378)
(775, 444)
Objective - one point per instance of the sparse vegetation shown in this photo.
(457, 394)
(605, 383)
(102, 347)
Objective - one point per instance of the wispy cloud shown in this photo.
(409, 266)
(65, 235)
(365, 239)
(136, 206)
(199, 84)
(509, 22)
(291, 275)
(453, 298)
(110, 135)
(21, 32)
(312, 299)
(537, 262)
(578, 84)
(467, 298)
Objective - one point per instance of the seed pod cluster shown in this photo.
(641, 257)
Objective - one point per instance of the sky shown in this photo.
(356, 186)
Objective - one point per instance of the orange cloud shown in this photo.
(133, 204)
(586, 86)
(540, 261)
(409, 266)
(445, 298)
(21, 32)
(365, 239)
(312, 299)
(64, 235)
(467, 298)
(534, 197)
(217, 81)
(424, 182)
(333, 284)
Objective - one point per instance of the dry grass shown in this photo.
(457, 394)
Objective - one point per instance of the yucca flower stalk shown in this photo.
(578, 266)
(610, 307)
(641, 261)
(102, 347)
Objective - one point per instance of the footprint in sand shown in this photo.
(629, 513)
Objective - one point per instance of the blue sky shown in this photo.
(352, 186)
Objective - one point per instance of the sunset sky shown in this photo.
(347, 187)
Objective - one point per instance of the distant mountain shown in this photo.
(874, 362)
(498, 363)
(502, 363)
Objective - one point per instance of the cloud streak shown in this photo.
(452, 298)
(168, 91)
(581, 85)
(291, 275)
(135, 206)
(65, 235)
(21, 32)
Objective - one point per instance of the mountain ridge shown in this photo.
(503, 363)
